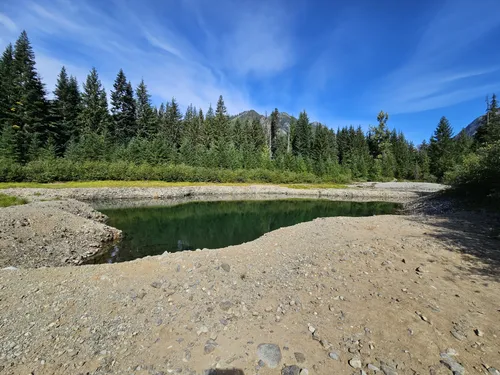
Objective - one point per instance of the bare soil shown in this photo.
(412, 294)
(403, 294)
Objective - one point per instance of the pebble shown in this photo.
(290, 370)
(202, 330)
(299, 357)
(478, 332)
(493, 371)
(10, 268)
(387, 370)
(334, 356)
(355, 363)
(269, 309)
(373, 368)
(225, 305)
(450, 362)
(226, 267)
(312, 329)
(458, 335)
(156, 284)
(270, 354)
(210, 346)
(304, 371)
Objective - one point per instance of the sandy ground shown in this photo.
(384, 294)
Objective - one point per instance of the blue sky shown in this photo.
(342, 61)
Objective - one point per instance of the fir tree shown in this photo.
(124, 125)
(30, 106)
(65, 111)
(7, 91)
(489, 131)
(173, 129)
(301, 144)
(220, 123)
(94, 115)
(274, 132)
(441, 149)
(146, 119)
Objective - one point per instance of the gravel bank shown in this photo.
(332, 296)
(52, 233)
(207, 191)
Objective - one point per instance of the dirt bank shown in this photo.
(401, 294)
(52, 233)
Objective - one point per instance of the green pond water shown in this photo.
(198, 225)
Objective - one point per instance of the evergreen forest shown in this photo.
(81, 133)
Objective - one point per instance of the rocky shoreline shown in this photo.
(90, 194)
(406, 294)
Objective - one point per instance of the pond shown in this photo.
(198, 225)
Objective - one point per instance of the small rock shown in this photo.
(452, 364)
(312, 329)
(334, 356)
(10, 268)
(493, 371)
(458, 335)
(387, 369)
(420, 269)
(451, 352)
(373, 368)
(299, 357)
(226, 267)
(269, 309)
(423, 317)
(225, 305)
(202, 330)
(210, 346)
(291, 370)
(355, 363)
(478, 332)
(304, 371)
(213, 336)
(270, 354)
(156, 284)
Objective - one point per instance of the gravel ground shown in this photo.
(208, 191)
(331, 296)
(418, 187)
(384, 294)
(52, 233)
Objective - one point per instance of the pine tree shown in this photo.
(173, 130)
(123, 109)
(94, 116)
(220, 123)
(301, 144)
(146, 119)
(274, 132)
(65, 111)
(489, 131)
(30, 106)
(7, 87)
(462, 146)
(441, 149)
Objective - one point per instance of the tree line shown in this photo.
(78, 125)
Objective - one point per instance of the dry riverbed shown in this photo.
(410, 294)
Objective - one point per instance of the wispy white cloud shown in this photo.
(436, 76)
(6, 22)
(135, 39)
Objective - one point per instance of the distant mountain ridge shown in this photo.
(285, 121)
(471, 129)
(284, 118)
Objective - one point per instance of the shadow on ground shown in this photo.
(224, 372)
(474, 234)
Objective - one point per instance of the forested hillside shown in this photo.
(82, 134)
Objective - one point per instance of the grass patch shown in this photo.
(122, 184)
(7, 200)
